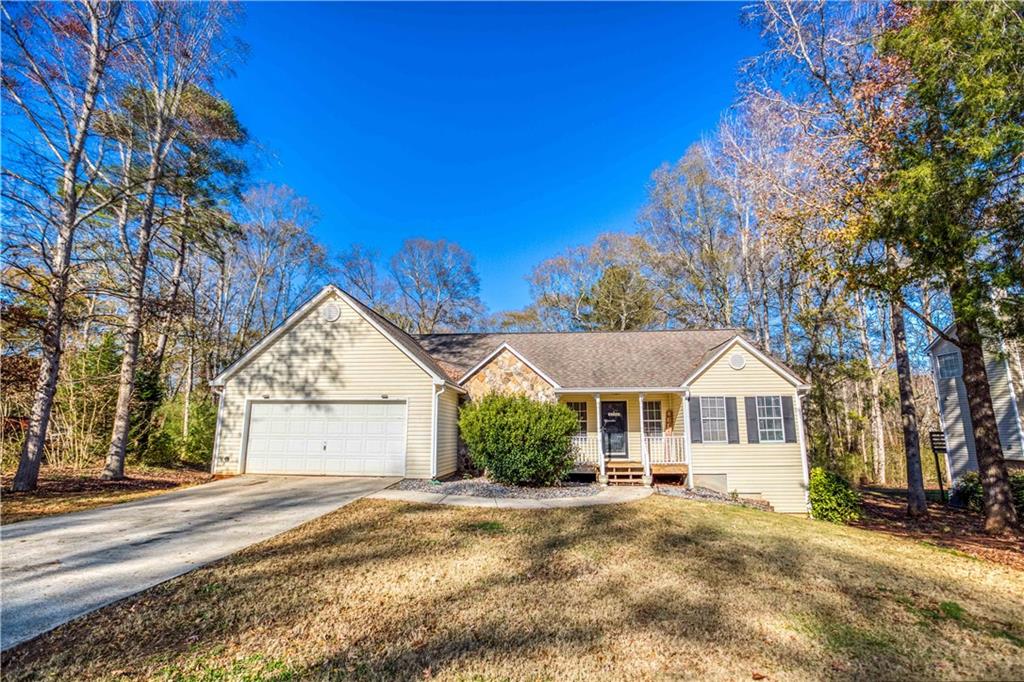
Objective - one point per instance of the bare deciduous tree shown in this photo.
(56, 60)
(438, 286)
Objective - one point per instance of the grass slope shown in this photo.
(659, 588)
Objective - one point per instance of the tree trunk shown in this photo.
(878, 463)
(188, 394)
(27, 475)
(154, 363)
(114, 469)
(917, 503)
(1000, 513)
(179, 267)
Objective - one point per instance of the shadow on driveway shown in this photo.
(57, 568)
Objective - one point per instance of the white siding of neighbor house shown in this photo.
(447, 432)
(320, 360)
(774, 471)
(955, 412)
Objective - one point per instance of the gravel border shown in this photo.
(481, 487)
(708, 495)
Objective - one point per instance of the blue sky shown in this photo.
(513, 129)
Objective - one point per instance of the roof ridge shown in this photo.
(590, 331)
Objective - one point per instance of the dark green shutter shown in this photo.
(750, 405)
(695, 430)
(732, 425)
(788, 424)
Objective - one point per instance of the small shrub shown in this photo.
(968, 491)
(832, 498)
(519, 441)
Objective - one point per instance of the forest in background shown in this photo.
(863, 192)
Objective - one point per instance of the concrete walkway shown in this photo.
(60, 567)
(610, 495)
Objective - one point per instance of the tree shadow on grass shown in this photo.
(660, 588)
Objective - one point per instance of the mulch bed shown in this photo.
(481, 487)
(63, 482)
(954, 528)
(66, 490)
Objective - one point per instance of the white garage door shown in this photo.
(327, 439)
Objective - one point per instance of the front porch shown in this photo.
(629, 438)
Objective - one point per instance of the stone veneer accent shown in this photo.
(506, 373)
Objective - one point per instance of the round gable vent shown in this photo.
(330, 312)
(737, 361)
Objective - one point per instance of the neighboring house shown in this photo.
(337, 389)
(1006, 383)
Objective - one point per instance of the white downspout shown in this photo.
(686, 442)
(603, 475)
(803, 448)
(433, 431)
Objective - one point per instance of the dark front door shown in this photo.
(613, 423)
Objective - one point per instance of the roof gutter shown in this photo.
(620, 389)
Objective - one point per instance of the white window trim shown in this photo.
(724, 418)
(586, 416)
(782, 420)
(959, 365)
(661, 417)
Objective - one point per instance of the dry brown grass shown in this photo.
(660, 588)
(69, 490)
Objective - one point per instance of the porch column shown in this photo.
(645, 456)
(602, 477)
(686, 442)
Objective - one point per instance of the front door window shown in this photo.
(613, 423)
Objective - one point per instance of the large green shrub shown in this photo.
(832, 497)
(968, 491)
(519, 441)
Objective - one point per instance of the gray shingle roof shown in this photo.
(640, 359)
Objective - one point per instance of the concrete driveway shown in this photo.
(58, 568)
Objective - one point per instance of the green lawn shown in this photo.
(663, 587)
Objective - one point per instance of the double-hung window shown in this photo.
(580, 408)
(652, 418)
(949, 365)
(712, 419)
(769, 419)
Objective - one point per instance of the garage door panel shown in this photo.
(327, 438)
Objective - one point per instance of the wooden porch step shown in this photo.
(623, 465)
(624, 472)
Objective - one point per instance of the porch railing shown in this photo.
(666, 449)
(586, 451)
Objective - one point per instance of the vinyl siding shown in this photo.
(320, 360)
(774, 471)
(1003, 403)
(955, 412)
(447, 433)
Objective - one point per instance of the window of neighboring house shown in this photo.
(581, 416)
(652, 418)
(949, 365)
(769, 419)
(712, 419)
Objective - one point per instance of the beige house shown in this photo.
(339, 390)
